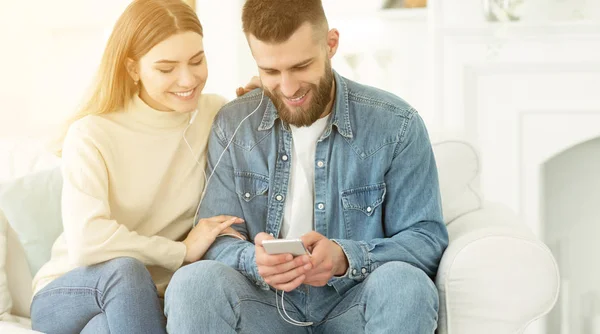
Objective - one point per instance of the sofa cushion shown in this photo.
(15, 278)
(22, 156)
(19, 326)
(5, 300)
(458, 170)
(31, 205)
(19, 277)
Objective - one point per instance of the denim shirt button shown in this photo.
(247, 195)
(320, 164)
(284, 158)
(321, 206)
(369, 209)
(354, 272)
(363, 270)
(279, 198)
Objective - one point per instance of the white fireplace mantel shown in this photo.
(523, 92)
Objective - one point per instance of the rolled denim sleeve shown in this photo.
(415, 232)
(239, 255)
(220, 198)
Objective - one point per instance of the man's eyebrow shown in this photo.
(300, 64)
(166, 61)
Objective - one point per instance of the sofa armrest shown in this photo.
(495, 276)
(16, 328)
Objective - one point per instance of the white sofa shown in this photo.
(495, 276)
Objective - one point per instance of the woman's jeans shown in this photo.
(116, 296)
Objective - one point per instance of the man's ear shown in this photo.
(132, 69)
(333, 42)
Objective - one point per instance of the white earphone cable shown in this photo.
(289, 319)
(207, 180)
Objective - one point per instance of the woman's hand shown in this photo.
(253, 84)
(204, 234)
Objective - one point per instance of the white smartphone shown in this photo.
(285, 246)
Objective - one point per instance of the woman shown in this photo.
(133, 173)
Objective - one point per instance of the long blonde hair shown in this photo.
(143, 24)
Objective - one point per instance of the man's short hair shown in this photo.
(274, 21)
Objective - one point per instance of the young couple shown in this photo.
(346, 168)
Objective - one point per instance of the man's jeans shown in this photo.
(117, 296)
(210, 297)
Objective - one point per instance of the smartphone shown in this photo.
(285, 246)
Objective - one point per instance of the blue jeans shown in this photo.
(210, 297)
(117, 296)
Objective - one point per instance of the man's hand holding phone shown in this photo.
(281, 271)
(328, 259)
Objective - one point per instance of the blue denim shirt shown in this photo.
(376, 184)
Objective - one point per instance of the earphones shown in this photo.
(207, 180)
(190, 123)
(289, 319)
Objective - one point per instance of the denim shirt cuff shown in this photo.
(249, 269)
(358, 265)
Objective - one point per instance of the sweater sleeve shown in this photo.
(90, 233)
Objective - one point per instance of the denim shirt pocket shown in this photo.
(251, 186)
(361, 206)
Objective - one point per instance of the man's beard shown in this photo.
(320, 98)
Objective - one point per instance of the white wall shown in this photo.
(230, 63)
(388, 50)
(50, 50)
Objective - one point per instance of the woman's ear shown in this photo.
(132, 69)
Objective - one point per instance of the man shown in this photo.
(347, 168)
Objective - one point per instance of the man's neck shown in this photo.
(329, 106)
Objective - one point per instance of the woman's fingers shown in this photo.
(220, 227)
(218, 219)
(230, 230)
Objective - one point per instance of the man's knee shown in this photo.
(197, 281)
(403, 282)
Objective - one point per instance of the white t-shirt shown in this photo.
(299, 209)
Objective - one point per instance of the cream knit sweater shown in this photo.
(131, 188)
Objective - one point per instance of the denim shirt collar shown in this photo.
(340, 111)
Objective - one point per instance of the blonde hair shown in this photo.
(143, 24)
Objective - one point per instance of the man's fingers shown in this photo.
(318, 255)
(264, 259)
(258, 239)
(310, 238)
(317, 276)
(285, 277)
(298, 262)
(316, 281)
(287, 287)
